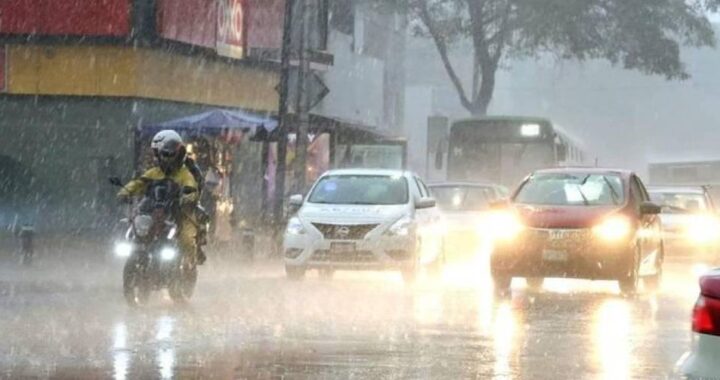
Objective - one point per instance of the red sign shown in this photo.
(231, 28)
(63, 17)
(189, 21)
(265, 23)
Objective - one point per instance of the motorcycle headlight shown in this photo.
(295, 227)
(501, 226)
(142, 224)
(168, 253)
(703, 229)
(613, 229)
(402, 227)
(123, 249)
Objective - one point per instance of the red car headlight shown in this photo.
(501, 226)
(613, 229)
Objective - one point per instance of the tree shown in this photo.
(643, 35)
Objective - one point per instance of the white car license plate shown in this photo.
(555, 255)
(342, 248)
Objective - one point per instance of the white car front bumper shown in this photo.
(703, 361)
(376, 251)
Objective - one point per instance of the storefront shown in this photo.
(237, 151)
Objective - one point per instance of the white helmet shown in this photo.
(169, 150)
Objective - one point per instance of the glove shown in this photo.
(187, 200)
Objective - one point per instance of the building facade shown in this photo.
(77, 78)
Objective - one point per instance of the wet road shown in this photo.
(68, 320)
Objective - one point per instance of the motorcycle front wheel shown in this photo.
(182, 287)
(135, 287)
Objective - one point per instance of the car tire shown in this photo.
(630, 282)
(295, 273)
(326, 274)
(652, 283)
(535, 284)
(502, 283)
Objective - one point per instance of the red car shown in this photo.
(577, 223)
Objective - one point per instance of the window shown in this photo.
(636, 192)
(422, 189)
(578, 189)
(360, 190)
(462, 198)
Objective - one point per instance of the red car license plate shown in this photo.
(555, 255)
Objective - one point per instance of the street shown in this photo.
(66, 319)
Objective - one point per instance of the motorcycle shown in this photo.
(150, 247)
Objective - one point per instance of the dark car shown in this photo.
(462, 204)
(584, 223)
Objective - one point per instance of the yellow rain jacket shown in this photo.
(184, 179)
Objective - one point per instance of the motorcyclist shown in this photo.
(170, 154)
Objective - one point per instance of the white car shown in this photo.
(363, 219)
(702, 361)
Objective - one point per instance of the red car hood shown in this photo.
(563, 216)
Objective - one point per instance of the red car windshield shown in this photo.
(564, 189)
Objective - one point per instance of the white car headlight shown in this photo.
(168, 253)
(402, 227)
(295, 227)
(123, 249)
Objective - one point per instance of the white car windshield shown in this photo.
(564, 189)
(361, 190)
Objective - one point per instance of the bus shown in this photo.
(505, 149)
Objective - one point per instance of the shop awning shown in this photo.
(216, 123)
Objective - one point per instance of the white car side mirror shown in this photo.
(296, 200)
(424, 203)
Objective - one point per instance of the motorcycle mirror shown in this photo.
(115, 181)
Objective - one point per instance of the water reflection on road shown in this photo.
(359, 325)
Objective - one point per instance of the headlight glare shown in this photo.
(168, 253)
(123, 249)
(613, 229)
(501, 225)
(703, 229)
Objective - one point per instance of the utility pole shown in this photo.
(302, 106)
(283, 127)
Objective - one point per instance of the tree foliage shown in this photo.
(642, 35)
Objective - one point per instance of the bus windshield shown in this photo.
(486, 152)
